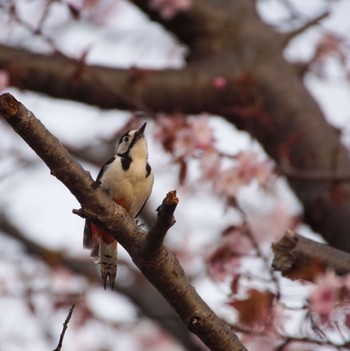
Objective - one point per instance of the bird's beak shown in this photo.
(141, 130)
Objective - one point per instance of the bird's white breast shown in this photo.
(131, 187)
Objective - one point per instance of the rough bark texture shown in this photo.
(264, 95)
(292, 253)
(162, 269)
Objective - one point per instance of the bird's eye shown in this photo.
(126, 139)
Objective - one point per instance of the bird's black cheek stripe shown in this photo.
(126, 161)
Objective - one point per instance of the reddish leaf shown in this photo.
(305, 269)
(254, 310)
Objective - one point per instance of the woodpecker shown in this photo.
(128, 179)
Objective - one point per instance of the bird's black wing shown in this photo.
(102, 170)
(88, 242)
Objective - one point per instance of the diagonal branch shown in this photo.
(162, 270)
(145, 299)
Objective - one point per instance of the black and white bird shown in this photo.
(128, 179)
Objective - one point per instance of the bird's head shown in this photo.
(133, 144)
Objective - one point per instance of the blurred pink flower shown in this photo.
(323, 300)
(249, 167)
(170, 8)
(182, 137)
(219, 83)
(4, 80)
(184, 142)
(167, 128)
(210, 165)
(203, 133)
(261, 342)
(271, 226)
(227, 182)
(226, 259)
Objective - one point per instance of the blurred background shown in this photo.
(233, 201)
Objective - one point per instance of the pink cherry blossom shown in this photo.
(210, 165)
(170, 8)
(227, 258)
(227, 182)
(183, 137)
(323, 300)
(203, 133)
(250, 167)
(219, 83)
(4, 80)
(270, 226)
(167, 129)
(184, 143)
(260, 342)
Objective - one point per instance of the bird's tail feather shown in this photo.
(108, 262)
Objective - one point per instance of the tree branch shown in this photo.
(165, 220)
(147, 299)
(163, 270)
(264, 96)
(312, 22)
(148, 90)
(293, 253)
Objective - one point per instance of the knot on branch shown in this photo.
(195, 322)
(8, 105)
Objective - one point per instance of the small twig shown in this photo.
(79, 213)
(164, 221)
(292, 34)
(65, 326)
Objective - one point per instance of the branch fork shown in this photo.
(163, 270)
(165, 220)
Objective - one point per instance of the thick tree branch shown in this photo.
(163, 270)
(135, 89)
(293, 253)
(147, 300)
(203, 26)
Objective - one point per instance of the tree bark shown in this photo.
(295, 255)
(144, 295)
(264, 95)
(162, 268)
